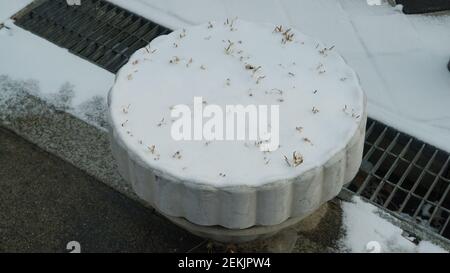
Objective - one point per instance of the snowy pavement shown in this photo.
(367, 231)
(10, 7)
(52, 73)
(400, 59)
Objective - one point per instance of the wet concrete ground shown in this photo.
(46, 203)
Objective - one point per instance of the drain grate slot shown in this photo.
(405, 176)
(97, 30)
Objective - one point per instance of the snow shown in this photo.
(365, 229)
(10, 7)
(375, 2)
(401, 59)
(299, 76)
(61, 78)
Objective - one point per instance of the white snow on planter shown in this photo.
(10, 7)
(365, 230)
(401, 59)
(321, 102)
(61, 78)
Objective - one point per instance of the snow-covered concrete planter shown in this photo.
(234, 184)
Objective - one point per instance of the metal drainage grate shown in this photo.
(407, 177)
(96, 30)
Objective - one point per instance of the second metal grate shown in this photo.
(405, 176)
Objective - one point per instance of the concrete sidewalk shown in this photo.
(46, 203)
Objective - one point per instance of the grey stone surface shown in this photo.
(255, 233)
(318, 233)
(46, 203)
(326, 235)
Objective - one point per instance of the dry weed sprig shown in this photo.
(288, 36)
(259, 79)
(152, 149)
(278, 28)
(174, 60)
(249, 67)
(177, 155)
(162, 122)
(183, 34)
(297, 159)
(229, 48)
(189, 62)
(126, 109)
(287, 161)
(307, 140)
(324, 50)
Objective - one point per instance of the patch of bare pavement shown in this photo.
(45, 203)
